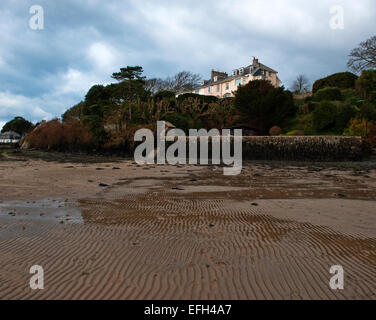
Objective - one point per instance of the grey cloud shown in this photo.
(45, 72)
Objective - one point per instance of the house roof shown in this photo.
(247, 70)
(10, 135)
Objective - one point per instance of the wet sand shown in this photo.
(121, 231)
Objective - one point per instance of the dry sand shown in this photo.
(186, 232)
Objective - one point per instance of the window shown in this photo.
(209, 89)
(215, 79)
(218, 88)
(227, 86)
(238, 81)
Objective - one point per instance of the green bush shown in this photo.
(324, 116)
(368, 111)
(180, 121)
(355, 102)
(164, 94)
(333, 116)
(366, 84)
(345, 112)
(19, 125)
(263, 105)
(328, 94)
(312, 106)
(344, 80)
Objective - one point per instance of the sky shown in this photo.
(46, 71)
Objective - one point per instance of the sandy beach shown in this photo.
(117, 230)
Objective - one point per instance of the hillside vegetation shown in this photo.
(108, 117)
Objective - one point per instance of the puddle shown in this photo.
(42, 210)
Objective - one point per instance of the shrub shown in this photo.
(164, 94)
(368, 111)
(350, 93)
(263, 105)
(304, 109)
(366, 84)
(329, 94)
(180, 121)
(312, 106)
(344, 80)
(363, 128)
(54, 135)
(324, 116)
(275, 131)
(345, 112)
(19, 125)
(74, 113)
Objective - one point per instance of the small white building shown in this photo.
(10, 137)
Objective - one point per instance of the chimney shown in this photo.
(255, 62)
(218, 75)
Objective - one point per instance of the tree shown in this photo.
(19, 125)
(184, 81)
(96, 94)
(343, 80)
(155, 85)
(129, 73)
(363, 57)
(301, 84)
(366, 84)
(263, 105)
(74, 113)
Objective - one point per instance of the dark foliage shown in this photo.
(263, 105)
(19, 125)
(344, 80)
(328, 94)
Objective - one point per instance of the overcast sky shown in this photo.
(44, 72)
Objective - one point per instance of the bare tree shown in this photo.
(301, 84)
(155, 84)
(363, 57)
(184, 81)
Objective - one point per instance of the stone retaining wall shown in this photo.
(302, 148)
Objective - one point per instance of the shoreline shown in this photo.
(185, 232)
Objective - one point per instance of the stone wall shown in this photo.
(302, 148)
